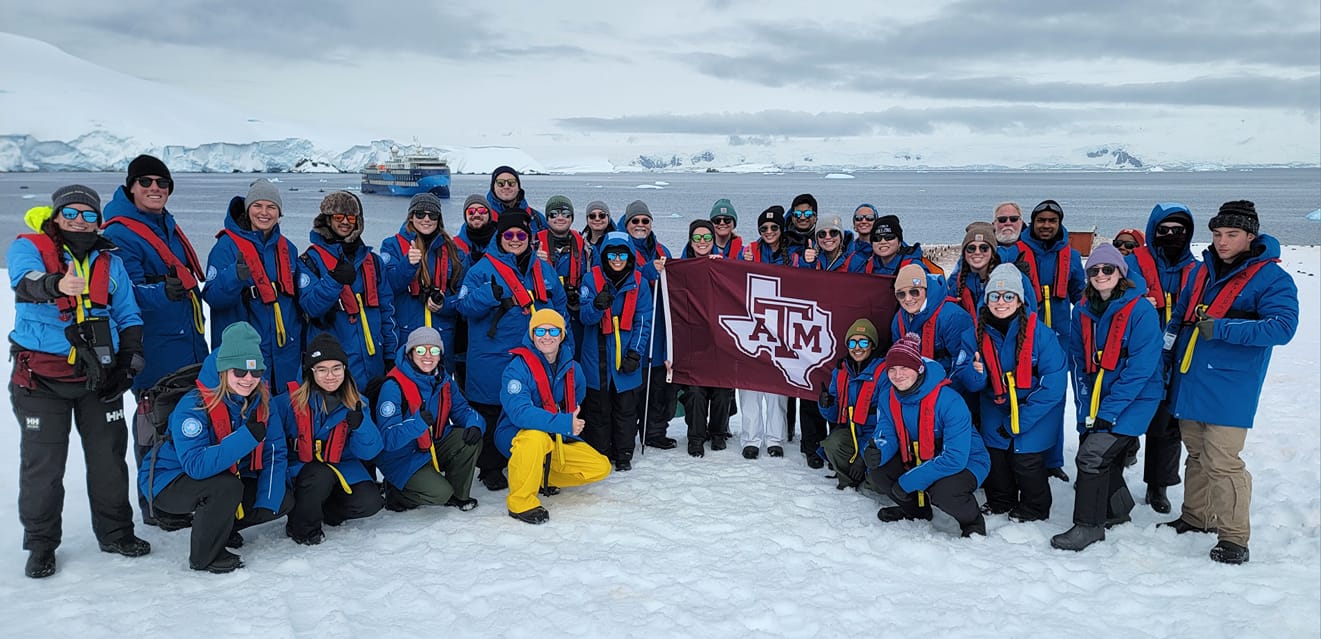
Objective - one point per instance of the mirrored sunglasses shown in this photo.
(616, 256)
(70, 213)
(514, 236)
(559, 212)
(859, 342)
(478, 210)
(542, 331)
(701, 237)
(999, 296)
(803, 214)
(433, 351)
(342, 218)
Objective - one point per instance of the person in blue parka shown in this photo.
(251, 277)
(925, 451)
(432, 436)
(506, 195)
(329, 434)
(946, 329)
(540, 427)
(1115, 359)
(660, 397)
(849, 402)
(223, 459)
(615, 311)
(344, 290)
(478, 228)
(1237, 306)
(1022, 374)
(498, 296)
(888, 252)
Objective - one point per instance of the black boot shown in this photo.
(1228, 552)
(129, 546)
(695, 448)
(814, 461)
(494, 480)
(226, 562)
(718, 442)
(41, 563)
(536, 515)
(308, 539)
(462, 504)
(1058, 473)
(1078, 537)
(663, 443)
(1157, 500)
(235, 540)
(623, 465)
(750, 452)
(1180, 527)
(774, 451)
(895, 513)
(976, 527)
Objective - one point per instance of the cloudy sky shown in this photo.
(1244, 73)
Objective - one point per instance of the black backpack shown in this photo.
(152, 419)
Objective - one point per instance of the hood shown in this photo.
(618, 240)
(237, 221)
(1165, 210)
(405, 365)
(562, 361)
(1139, 236)
(1060, 242)
(1264, 247)
(120, 206)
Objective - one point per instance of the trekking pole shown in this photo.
(651, 342)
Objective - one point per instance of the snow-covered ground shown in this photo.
(716, 547)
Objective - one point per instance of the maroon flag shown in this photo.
(764, 327)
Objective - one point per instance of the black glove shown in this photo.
(354, 420)
(114, 385)
(1100, 424)
(241, 271)
(472, 435)
(427, 417)
(499, 295)
(826, 400)
(630, 363)
(174, 290)
(1000, 430)
(573, 298)
(1206, 326)
(604, 299)
(255, 427)
(389, 365)
(871, 456)
(898, 494)
(858, 470)
(344, 272)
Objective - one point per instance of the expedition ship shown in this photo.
(408, 175)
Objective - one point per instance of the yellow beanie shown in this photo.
(545, 316)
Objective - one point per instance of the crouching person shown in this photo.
(329, 436)
(925, 451)
(850, 400)
(432, 436)
(216, 461)
(539, 425)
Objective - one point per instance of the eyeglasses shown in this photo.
(1107, 269)
(1006, 219)
(1048, 206)
(506, 182)
(1176, 229)
(702, 237)
(542, 331)
(1125, 244)
(559, 212)
(70, 213)
(827, 233)
(977, 248)
(722, 220)
(859, 342)
(803, 214)
(421, 213)
(598, 216)
(421, 351)
(769, 228)
(478, 210)
(329, 370)
(341, 218)
(915, 292)
(618, 256)
(884, 237)
(864, 218)
(998, 296)
(164, 183)
(241, 373)
(640, 221)
(514, 236)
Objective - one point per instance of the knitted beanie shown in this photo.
(773, 214)
(634, 209)
(75, 194)
(910, 275)
(1107, 254)
(865, 328)
(423, 336)
(907, 352)
(474, 199)
(723, 207)
(559, 202)
(887, 225)
(978, 232)
(424, 202)
(145, 165)
(263, 189)
(324, 348)
(1239, 214)
(598, 205)
(545, 316)
(240, 347)
(1006, 277)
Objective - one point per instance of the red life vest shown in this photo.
(965, 300)
(515, 286)
(928, 330)
(413, 402)
(735, 247)
(187, 273)
(459, 242)
(98, 285)
(221, 426)
(252, 257)
(865, 393)
(926, 426)
(630, 302)
(1060, 290)
(1109, 356)
(1022, 369)
(306, 443)
(542, 381)
(1225, 298)
(347, 299)
(438, 274)
(575, 278)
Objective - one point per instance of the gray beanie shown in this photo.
(1006, 277)
(75, 194)
(424, 202)
(598, 205)
(635, 208)
(263, 189)
(423, 336)
(1107, 254)
(474, 199)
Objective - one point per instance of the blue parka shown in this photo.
(364, 443)
(520, 400)
(864, 417)
(409, 311)
(1061, 303)
(168, 327)
(400, 427)
(232, 300)
(1225, 375)
(839, 263)
(956, 339)
(474, 248)
(1131, 392)
(958, 445)
(1040, 406)
(319, 296)
(976, 287)
(908, 254)
(536, 218)
(1170, 272)
(492, 332)
(648, 250)
(192, 449)
(617, 345)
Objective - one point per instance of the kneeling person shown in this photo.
(850, 400)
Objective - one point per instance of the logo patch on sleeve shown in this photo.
(191, 427)
(385, 257)
(387, 409)
(304, 280)
(210, 273)
(463, 291)
(514, 387)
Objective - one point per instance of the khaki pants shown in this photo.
(572, 464)
(1218, 486)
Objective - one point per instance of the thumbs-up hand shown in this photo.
(70, 283)
(809, 254)
(977, 364)
(414, 255)
(578, 424)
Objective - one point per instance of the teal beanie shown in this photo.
(240, 347)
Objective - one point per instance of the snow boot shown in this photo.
(41, 563)
(1157, 500)
(663, 443)
(718, 442)
(1180, 527)
(226, 562)
(129, 546)
(774, 451)
(309, 539)
(1228, 552)
(462, 504)
(695, 448)
(750, 452)
(622, 465)
(1116, 520)
(235, 540)
(494, 481)
(536, 515)
(976, 527)
(895, 513)
(1078, 537)
(1022, 516)
(815, 462)
(1058, 473)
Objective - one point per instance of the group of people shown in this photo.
(531, 355)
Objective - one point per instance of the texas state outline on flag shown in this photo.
(795, 333)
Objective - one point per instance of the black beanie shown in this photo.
(773, 214)
(513, 220)
(505, 169)
(701, 224)
(803, 198)
(886, 224)
(147, 165)
(1239, 214)
(1048, 205)
(324, 348)
(75, 194)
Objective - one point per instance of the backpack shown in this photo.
(152, 419)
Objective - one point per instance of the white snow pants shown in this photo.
(761, 418)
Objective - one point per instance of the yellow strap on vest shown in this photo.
(921, 494)
(1169, 307)
(1096, 392)
(1013, 401)
(434, 462)
(366, 330)
(199, 320)
(343, 483)
(426, 315)
(619, 348)
(1045, 300)
(854, 432)
(281, 336)
(1187, 361)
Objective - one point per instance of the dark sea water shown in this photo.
(934, 207)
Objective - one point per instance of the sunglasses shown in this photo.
(859, 342)
(514, 236)
(1126, 244)
(803, 214)
(769, 228)
(864, 218)
(542, 331)
(1006, 296)
(1006, 219)
(1107, 269)
(241, 373)
(620, 256)
(827, 233)
(341, 218)
(1176, 229)
(145, 182)
(722, 220)
(419, 214)
(640, 221)
(433, 351)
(478, 210)
(506, 182)
(884, 237)
(598, 216)
(977, 248)
(914, 293)
(1048, 206)
(702, 237)
(554, 213)
(329, 370)
(70, 213)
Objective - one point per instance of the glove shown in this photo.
(472, 435)
(427, 417)
(898, 494)
(1000, 430)
(354, 420)
(603, 300)
(263, 514)
(573, 298)
(871, 456)
(344, 272)
(1100, 424)
(1206, 327)
(242, 271)
(174, 290)
(858, 470)
(826, 399)
(630, 362)
(255, 427)
(498, 293)
(389, 365)
(114, 385)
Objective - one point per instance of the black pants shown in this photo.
(952, 494)
(44, 416)
(1163, 449)
(490, 460)
(1101, 491)
(1018, 481)
(612, 421)
(706, 411)
(661, 399)
(318, 496)
(811, 426)
(214, 502)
